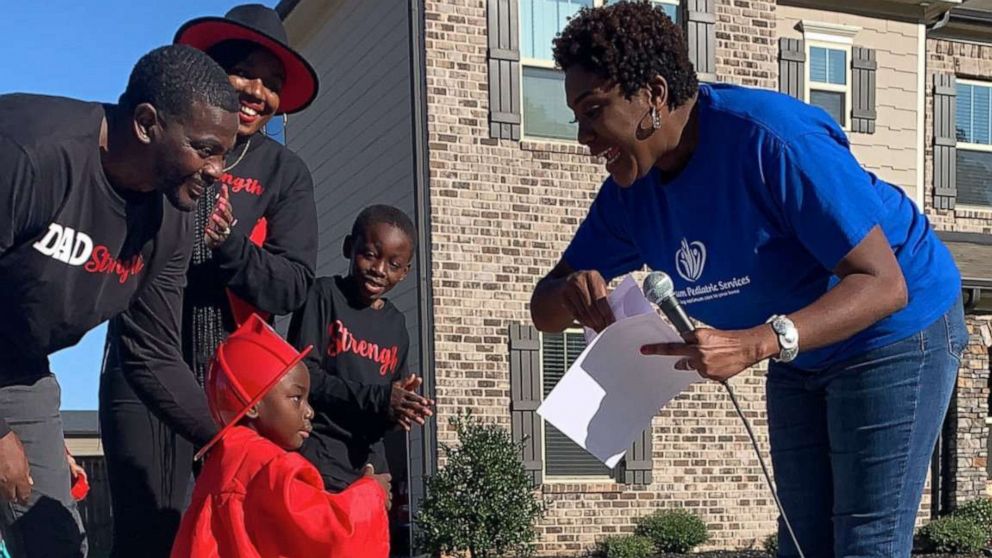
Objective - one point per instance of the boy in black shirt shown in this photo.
(359, 386)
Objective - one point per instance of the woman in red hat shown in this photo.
(256, 496)
(261, 261)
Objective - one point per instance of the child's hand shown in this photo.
(406, 406)
(74, 469)
(384, 481)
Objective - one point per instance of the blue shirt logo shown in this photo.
(690, 260)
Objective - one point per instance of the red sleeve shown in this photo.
(288, 513)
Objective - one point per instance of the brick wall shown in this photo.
(970, 406)
(966, 418)
(965, 60)
(502, 212)
(747, 47)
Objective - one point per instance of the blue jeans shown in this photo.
(851, 443)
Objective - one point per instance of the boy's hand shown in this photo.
(405, 405)
(75, 469)
(15, 473)
(384, 481)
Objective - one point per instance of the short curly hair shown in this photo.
(629, 43)
(384, 214)
(172, 78)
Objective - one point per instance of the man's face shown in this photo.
(189, 153)
(284, 413)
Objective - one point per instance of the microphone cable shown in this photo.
(764, 468)
(659, 289)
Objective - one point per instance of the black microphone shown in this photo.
(659, 289)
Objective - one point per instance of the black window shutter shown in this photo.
(699, 17)
(945, 164)
(525, 396)
(863, 68)
(637, 462)
(504, 69)
(791, 67)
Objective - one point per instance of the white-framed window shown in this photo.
(828, 68)
(973, 131)
(563, 458)
(545, 113)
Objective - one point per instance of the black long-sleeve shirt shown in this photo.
(75, 252)
(268, 181)
(357, 353)
(271, 182)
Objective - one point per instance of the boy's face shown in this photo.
(380, 258)
(284, 413)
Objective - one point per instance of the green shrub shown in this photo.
(673, 531)
(979, 511)
(770, 544)
(482, 501)
(626, 546)
(952, 534)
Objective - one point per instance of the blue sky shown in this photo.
(85, 49)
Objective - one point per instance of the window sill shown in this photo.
(554, 146)
(973, 211)
(585, 486)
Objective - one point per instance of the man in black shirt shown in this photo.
(95, 223)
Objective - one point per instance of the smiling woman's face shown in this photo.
(612, 126)
(258, 79)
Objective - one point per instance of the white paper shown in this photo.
(612, 391)
(625, 301)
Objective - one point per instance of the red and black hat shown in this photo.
(261, 25)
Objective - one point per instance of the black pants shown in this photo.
(149, 468)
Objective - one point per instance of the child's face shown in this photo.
(284, 413)
(380, 258)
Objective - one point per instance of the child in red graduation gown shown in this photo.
(256, 497)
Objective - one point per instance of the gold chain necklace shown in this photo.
(242, 156)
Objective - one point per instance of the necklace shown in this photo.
(242, 156)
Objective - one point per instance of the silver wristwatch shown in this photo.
(788, 338)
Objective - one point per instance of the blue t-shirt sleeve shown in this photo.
(603, 242)
(828, 200)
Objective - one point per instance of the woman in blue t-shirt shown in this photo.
(777, 238)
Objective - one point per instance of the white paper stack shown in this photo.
(611, 392)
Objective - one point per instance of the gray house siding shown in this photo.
(357, 136)
(357, 139)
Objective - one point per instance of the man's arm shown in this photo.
(148, 343)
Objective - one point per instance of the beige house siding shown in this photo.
(891, 152)
(90, 446)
